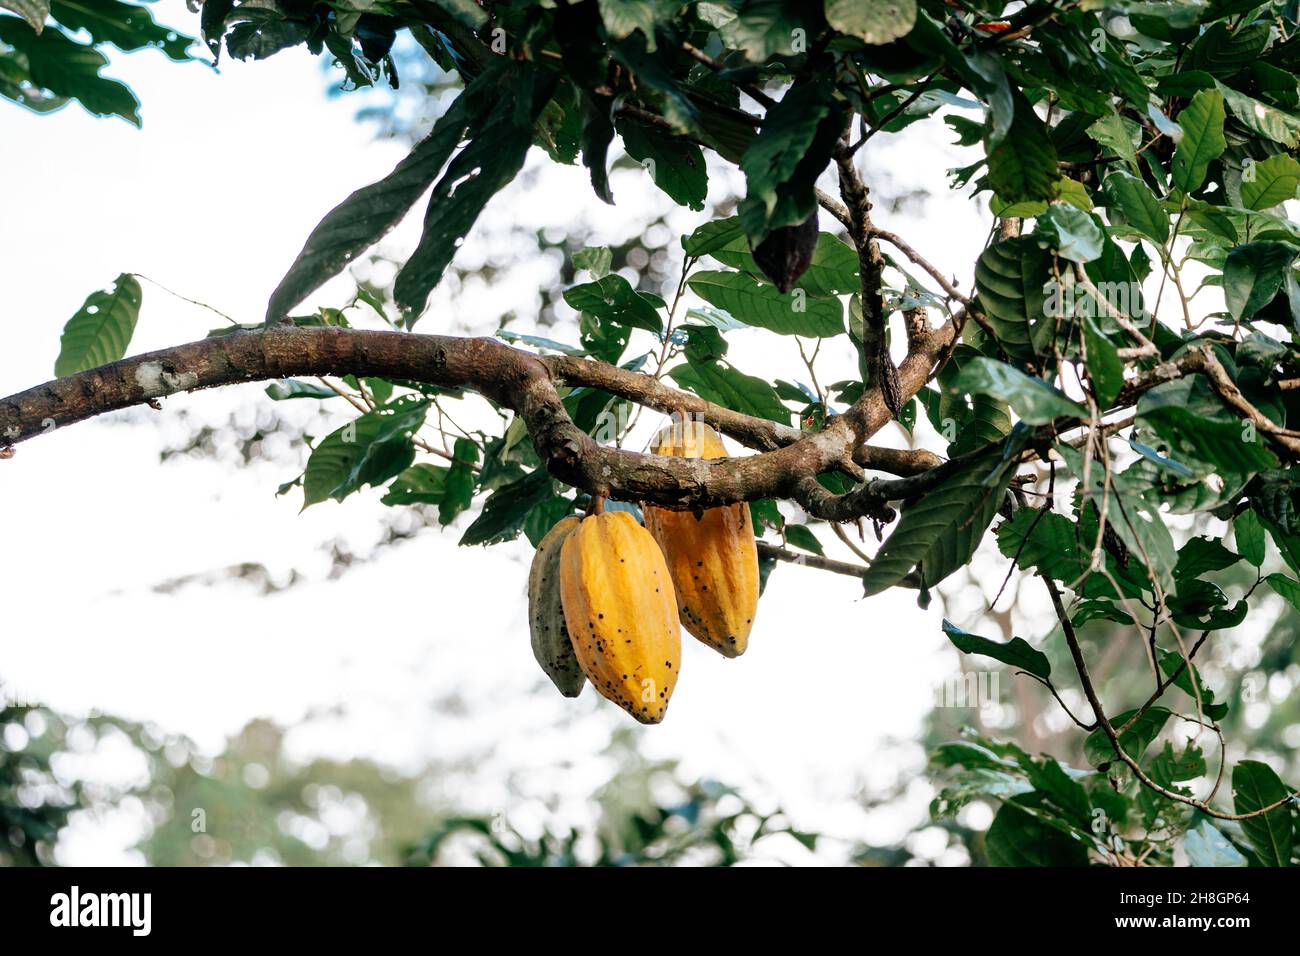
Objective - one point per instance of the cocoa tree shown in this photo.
(1120, 356)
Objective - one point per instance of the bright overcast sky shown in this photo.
(213, 198)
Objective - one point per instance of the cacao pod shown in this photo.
(712, 557)
(786, 253)
(550, 635)
(621, 614)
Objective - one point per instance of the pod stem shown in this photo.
(597, 506)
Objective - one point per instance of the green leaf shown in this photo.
(724, 385)
(1170, 663)
(875, 23)
(489, 161)
(367, 451)
(1096, 609)
(459, 489)
(1190, 416)
(676, 165)
(1009, 277)
(1249, 532)
(1203, 555)
(507, 509)
(613, 299)
(801, 536)
(1206, 846)
(1142, 210)
(1035, 401)
(833, 270)
(939, 531)
(1252, 275)
(1284, 586)
(69, 69)
(1255, 786)
(370, 212)
(1135, 741)
(1072, 233)
(421, 484)
(1119, 135)
(1018, 838)
(293, 388)
(1267, 183)
(125, 25)
(1017, 652)
(777, 159)
(758, 303)
(1105, 367)
(715, 234)
(1202, 123)
(1023, 166)
(1260, 118)
(101, 329)
(544, 517)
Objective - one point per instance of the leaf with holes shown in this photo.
(101, 330)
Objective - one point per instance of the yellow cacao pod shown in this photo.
(621, 614)
(713, 558)
(550, 635)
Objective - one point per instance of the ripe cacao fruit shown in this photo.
(712, 556)
(550, 635)
(621, 614)
(786, 253)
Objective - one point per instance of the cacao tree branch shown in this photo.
(507, 376)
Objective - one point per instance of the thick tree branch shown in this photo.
(514, 379)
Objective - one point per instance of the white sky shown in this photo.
(213, 199)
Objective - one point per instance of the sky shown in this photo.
(212, 199)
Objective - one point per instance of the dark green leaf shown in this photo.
(1018, 838)
(676, 165)
(1017, 652)
(1253, 274)
(939, 532)
(1142, 210)
(367, 451)
(421, 484)
(1250, 537)
(69, 69)
(507, 509)
(1202, 143)
(490, 160)
(1254, 786)
(1135, 741)
(459, 488)
(801, 536)
(613, 299)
